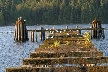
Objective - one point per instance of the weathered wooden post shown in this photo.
(24, 31)
(103, 36)
(42, 34)
(78, 31)
(66, 27)
(21, 33)
(36, 36)
(94, 26)
(53, 29)
(16, 32)
(32, 36)
(91, 33)
(99, 32)
(96, 33)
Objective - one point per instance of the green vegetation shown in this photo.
(53, 11)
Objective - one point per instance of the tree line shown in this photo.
(53, 11)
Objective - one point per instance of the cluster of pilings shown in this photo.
(97, 33)
(21, 33)
(33, 34)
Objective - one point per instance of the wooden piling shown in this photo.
(24, 31)
(96, 33)
(20, 33)
(26, 34)
(36, 37)
(32, 36)
(66, 27)
(42, 34)
(78, 31)
(16, 32)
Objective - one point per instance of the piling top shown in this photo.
(94, 20)
(24, 20)
(76, 26)
(20, 18)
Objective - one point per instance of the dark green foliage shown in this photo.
(53, 11)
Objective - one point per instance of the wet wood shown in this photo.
(36, 37)
(58, 69)
(20, 33)
(48, 54)
(67, 50)
(96, 33)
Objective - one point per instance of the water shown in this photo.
(12, 53)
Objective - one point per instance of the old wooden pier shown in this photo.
(66, 50)
(21, 32)
(65, 54)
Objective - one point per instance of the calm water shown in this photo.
(12, 53)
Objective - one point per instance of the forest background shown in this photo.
(53, 11)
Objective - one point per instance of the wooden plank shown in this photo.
(64, 54)
(75, 60)
(68, 29)
(59, 69)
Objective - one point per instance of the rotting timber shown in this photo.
(97, 33)
(21, 33)
(66, 51)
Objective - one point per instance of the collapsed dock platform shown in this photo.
(67, 51)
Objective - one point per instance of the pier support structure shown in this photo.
(21, 33)
(97, 33)
(42, 34)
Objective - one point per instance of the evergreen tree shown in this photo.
(1, 18)
(53, 11)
